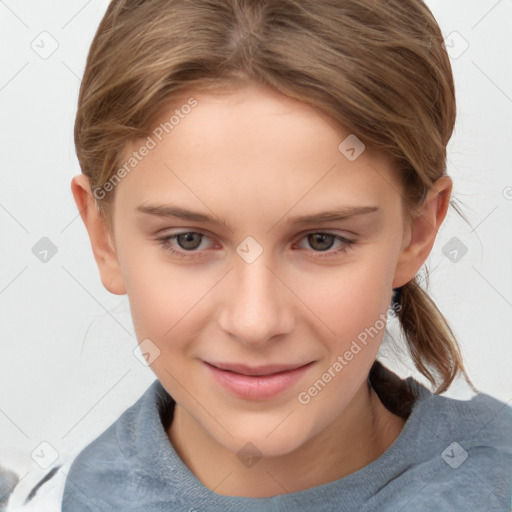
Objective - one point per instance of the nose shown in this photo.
(257, 308)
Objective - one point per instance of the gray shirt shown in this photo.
(451, 455)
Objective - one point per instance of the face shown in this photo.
(259, 261)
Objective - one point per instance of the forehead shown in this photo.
(254, 144)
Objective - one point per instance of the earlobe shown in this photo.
(423, 230)
(99, 235)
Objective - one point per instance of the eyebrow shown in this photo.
(338, 214)
(344, 213)
(179, 213)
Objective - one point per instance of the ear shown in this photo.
(422, 230)
(101, 240)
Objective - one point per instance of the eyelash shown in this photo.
(165, 243)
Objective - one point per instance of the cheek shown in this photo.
(161, 295)
(346, 300)
(163, 306)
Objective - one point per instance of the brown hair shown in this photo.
(378, 67)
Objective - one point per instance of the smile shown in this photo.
(257, 383)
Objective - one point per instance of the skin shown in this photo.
(256, 158)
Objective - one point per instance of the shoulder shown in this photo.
(482, 421)
(464, 453)
(114, 456)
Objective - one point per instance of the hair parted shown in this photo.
(378, 67)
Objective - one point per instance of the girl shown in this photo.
(264, 180)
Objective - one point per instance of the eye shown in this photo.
(322, 242)
(189, 241)
(183, 244)
(191, 244)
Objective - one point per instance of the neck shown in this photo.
(356, 438)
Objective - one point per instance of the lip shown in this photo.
(257, 382)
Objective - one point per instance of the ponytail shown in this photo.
(432, 345)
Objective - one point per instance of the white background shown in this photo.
(67, 368)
